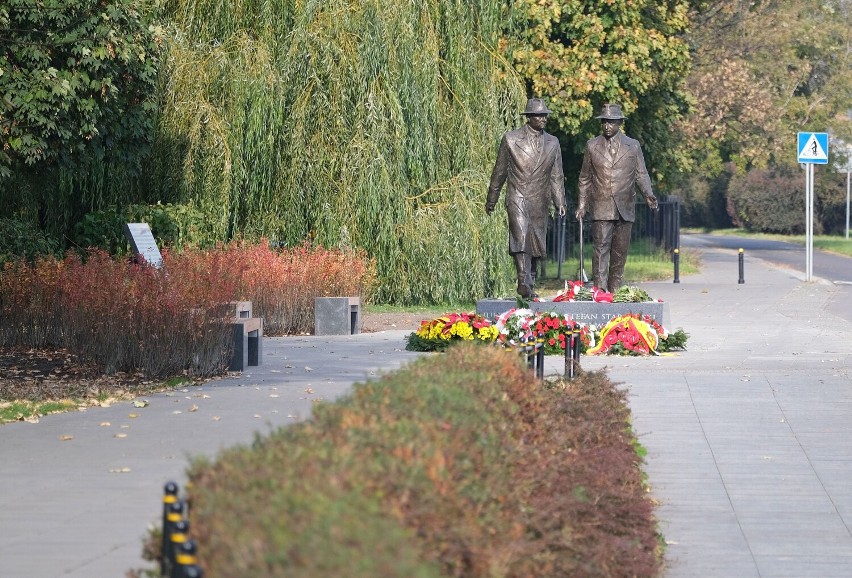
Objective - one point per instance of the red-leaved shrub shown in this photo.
(29, 303)
(130, 317)
(282, 284)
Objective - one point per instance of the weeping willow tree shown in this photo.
(367, 123)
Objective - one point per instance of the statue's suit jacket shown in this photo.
(608, 187)
(533, 181)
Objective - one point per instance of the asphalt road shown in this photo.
(827, 267)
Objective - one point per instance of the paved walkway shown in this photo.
(748, 436)
(748, 432)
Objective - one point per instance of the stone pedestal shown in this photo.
(584, 312)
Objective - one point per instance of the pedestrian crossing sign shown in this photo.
(813, 148)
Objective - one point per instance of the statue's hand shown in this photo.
(652, 202)
(562, 211)
(489, 209)
(581, 212)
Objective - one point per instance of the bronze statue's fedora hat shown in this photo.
(535, 106)
(611, 112)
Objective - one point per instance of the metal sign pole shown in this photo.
(847, 200)
(813, 149)
(809, 221)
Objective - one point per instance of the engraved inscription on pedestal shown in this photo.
(584, 312)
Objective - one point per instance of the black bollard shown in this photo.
(527, 348)
(179, 535)
(572, 351)
(569, 351)
(174, 516)
(676, 259)
(169, 498)
(185, 559)
(742, 268)
(539, 356)
(578, 344)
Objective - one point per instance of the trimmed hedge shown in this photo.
(458, 465)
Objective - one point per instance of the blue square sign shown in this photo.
(813, 148)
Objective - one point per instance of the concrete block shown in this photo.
(337, 315)
(248, 343)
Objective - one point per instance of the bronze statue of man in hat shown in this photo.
(613, 168)
(529, 161)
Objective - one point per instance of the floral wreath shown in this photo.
(629, 334)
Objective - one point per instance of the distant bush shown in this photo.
(458, 465)
(21, 239)
(831, 205)
(173, 225)
(130, 317)
(768, 201)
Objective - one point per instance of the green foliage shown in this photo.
(579, 54)
(675, 340)
(22, 239)
(830, 195)
(458, 465)
(22, 410)
(369, 124)
(76, 81)
(171, 224)
(761, 72)
(630, 294)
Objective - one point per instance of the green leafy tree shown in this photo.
(77, 81)
(579, 54)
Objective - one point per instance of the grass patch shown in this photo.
(177, 381)
(22, 410)
(426, 310)
(642, 265)
(458, 465)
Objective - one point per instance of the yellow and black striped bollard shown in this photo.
(170, 497)
(186, 561)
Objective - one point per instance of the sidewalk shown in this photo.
(749, 432)
(748, 436)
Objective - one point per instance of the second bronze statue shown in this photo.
(529, 162)
(613, 168)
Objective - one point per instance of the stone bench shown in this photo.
(247, 336)
(337, 315)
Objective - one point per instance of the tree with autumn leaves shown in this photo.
(579, 54)
(713, 89)
(762, 71)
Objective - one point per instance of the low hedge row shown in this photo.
(458, 465)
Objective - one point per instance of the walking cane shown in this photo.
(581, 274)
